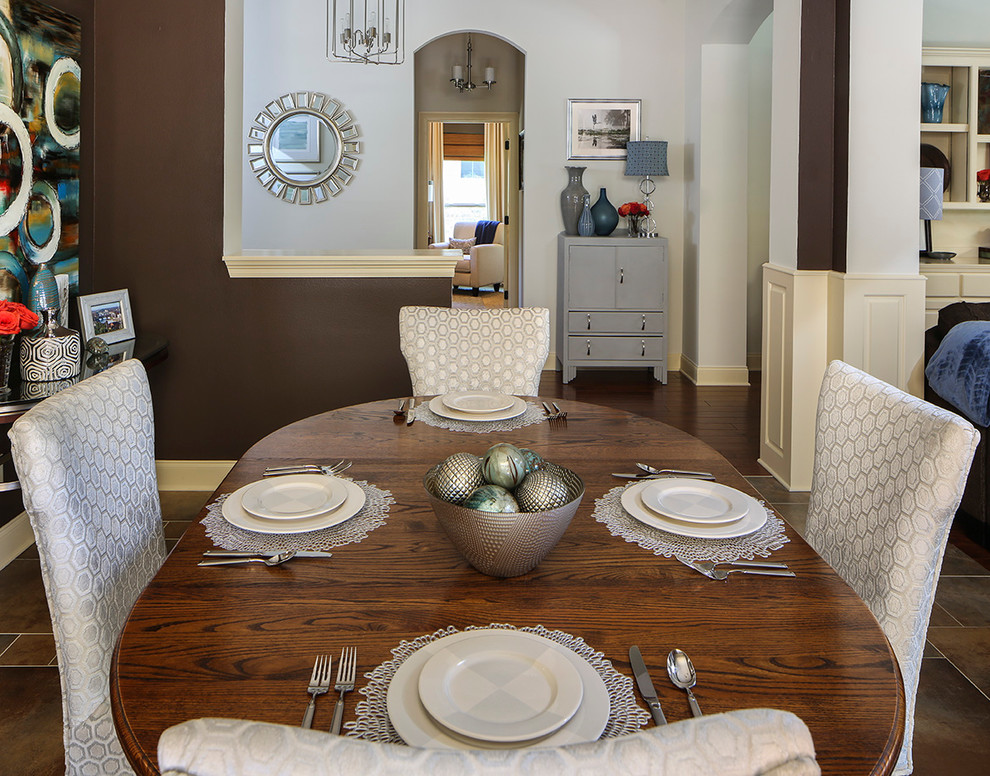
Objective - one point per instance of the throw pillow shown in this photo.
(464, 245)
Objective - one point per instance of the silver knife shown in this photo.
(409, 411)
(646, 688)
(644, 476)
(239, 554)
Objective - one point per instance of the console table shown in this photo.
(611, 303)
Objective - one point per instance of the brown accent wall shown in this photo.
(246, 356)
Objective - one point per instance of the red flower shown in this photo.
(15, 317)
(633, 209)
(983, 175)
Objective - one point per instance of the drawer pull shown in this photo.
(643, 343)
(622, 275)
(589, 321)
(643, 328)
(589, 348)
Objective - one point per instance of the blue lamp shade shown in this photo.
(931, 193)
(646, 157)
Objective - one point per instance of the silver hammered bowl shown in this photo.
(505, 544)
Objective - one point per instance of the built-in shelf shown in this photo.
(945, 127)
(344, 264)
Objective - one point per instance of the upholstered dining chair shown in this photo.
(739, 743)
(889, 473)
(86, 462)
(459, 350)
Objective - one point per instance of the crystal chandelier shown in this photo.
(368, 31)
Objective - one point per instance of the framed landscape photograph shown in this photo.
(600, 129)
(107, 316)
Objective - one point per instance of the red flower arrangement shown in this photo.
(15, 317)
(983, 175)
(638, 209)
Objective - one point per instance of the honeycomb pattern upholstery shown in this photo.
(459, 350)
(740, 743)
(86, 462)
(889, 473)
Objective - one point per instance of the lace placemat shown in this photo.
(531, 416)
(609, 510)
(371, 516)
(373, 724)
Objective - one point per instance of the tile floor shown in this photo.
(952, 735)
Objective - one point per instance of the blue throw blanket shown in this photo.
(959, 371)
(484, 232)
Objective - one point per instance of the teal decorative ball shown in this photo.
(491, 498)
(504, 465)
(534, 461)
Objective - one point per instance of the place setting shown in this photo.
(495, 687)
(479, 412)
(689, 516)
(293, 512)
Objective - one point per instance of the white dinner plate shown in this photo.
(417, 728)
(500, 688)
(293, 496)
(477, 401)
(754, 519)
(518, 408)
(235, 514)
(695, 501)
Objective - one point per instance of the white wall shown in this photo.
(758, 183)
(956, 23)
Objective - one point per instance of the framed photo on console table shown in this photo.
(600, 129)
(107, 316)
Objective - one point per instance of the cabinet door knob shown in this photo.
(589, 321)
(644, 348)
(622, 274)
(589, 348)
(644, 324)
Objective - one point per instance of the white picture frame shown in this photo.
(600, 129)
(297, 139)
(107, 316)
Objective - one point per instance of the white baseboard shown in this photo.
(713, 375)
(15, 537)
(192, 475)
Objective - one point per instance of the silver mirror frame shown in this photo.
(337, 175)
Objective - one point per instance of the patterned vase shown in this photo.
(6, 353)
(572, 199)
(586, 224)
(53, 353)
(606, 217)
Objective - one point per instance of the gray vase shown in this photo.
(586, 224)
(572, 199)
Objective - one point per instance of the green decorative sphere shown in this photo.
(534, 461)
(96, 345)
(491, 498)
(542, 490)
(457, 476)
(504, 465)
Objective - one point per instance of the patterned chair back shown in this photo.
(461, 350)
(889, 473)
(86, 462)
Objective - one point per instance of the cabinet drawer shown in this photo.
(614, 348)
(942, 285)
(615, 323)
(975, 285)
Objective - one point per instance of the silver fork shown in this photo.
(319, 683)
(308, 468)
(554, 416)
(346, 673)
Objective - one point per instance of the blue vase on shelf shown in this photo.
(932, 102)
(605, 216)
(586, 224)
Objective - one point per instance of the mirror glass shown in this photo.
(303, 148)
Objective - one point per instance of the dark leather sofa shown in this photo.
(973, 517)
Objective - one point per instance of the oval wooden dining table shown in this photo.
(240, 641)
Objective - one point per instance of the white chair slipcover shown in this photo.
(460, 350)
(889, 473)
(740, 743)
(86, 462)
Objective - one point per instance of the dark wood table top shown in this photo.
(240, 641)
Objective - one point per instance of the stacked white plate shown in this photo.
(496, 689)
(694, 508)
(477, 406)
(293, 503)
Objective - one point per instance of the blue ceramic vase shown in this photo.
(605, 216)
(586, 224)
(932, 102)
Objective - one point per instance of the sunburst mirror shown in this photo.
(302, 148)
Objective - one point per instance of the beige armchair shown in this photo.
(484, 265)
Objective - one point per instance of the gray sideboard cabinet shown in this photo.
(611, 303)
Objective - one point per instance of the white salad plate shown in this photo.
(695, 501)
(518, 407)
(500, 688)
(477, 401)
(293, 496)
(414, 724)
(236, 515)
(754, 519)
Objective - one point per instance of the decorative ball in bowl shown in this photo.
(500, 529)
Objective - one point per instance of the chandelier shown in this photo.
(368, 31)
(461, 83)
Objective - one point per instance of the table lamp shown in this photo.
(646, 158)
(931, 210)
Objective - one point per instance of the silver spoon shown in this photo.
(275, 560)
(681, 672)
(675, 472)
